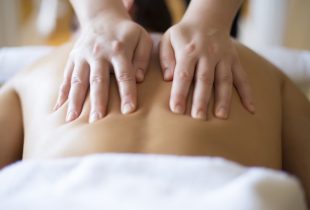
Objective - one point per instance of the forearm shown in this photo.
(86, 10)
(218, 14)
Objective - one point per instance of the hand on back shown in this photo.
(190, 52)
(108, 42)
(194, 53)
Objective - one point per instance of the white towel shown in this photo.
(294, 63)
(134, 182)
(14, 59)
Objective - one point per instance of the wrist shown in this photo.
(88, 10)
(206, 28)
(212, 14)
(102, 22)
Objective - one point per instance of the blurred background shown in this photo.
(261, 22)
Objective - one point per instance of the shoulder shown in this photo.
(257, 66)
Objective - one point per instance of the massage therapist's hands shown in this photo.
(108, 38)
(200, 49)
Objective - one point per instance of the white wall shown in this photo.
(9, 22)
(276, 23)
(265, 23)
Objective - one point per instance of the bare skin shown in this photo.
(277, 136)
(108, 37)
(198, 47)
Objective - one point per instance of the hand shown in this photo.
(194, 52)
(105, 41)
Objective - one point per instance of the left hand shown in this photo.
(189, 51)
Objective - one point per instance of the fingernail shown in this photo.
(166, 74)
(71, 116)
(178, 109)
(127, 108)
(221, 113)
(95, 116)
(200, 115)
(140, 74)
(252, 107)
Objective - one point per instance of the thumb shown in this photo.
(142, 55)
(167, 58)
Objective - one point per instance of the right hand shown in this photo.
(107, 40)
(193, 52)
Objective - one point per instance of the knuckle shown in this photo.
(77, 81)
(212, 49)
(225, 78)
(189, 51)
(97, 79)
(125, 77)
(96, 49)
(205, 78)
(190, 47)
(117, 46)
(184, 76)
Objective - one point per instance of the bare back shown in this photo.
(277, 136)
(245, 138)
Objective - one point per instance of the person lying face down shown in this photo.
(276, 136)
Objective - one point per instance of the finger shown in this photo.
(99, 89)
(142, 56)
(65, 86)
(79, 87)
(125, 76)
(204, 79)
(182, 79)
(167, 58)
(223, 89)
(243, 87)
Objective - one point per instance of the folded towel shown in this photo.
(133, 182)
